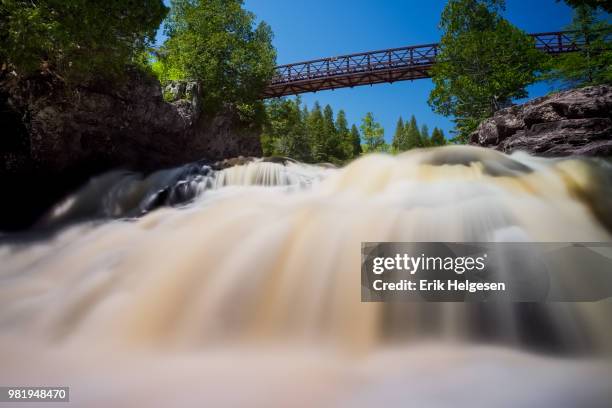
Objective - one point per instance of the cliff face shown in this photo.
(574, 122)
(53, 139)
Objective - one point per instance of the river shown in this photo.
(202, 287)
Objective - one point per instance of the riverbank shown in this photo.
(576, 122)
(56, 138)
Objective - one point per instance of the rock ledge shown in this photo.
(574, 122)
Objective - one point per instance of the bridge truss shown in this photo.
(390, 65)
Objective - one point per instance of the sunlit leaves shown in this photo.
(77, 40)
(217, 44)
(484, 63)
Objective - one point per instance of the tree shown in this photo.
(604, 4)
(216, 44)
(315, 125)
(284, 132)
(373, 134)
(328, 120)
(484, 62)
(312, 135)
(332, 142)
(593, 64)
(344, 136)
(425, 141)
(437, 137)
(356, 141)
(77, 40)
(398, 136)
(412, 135)
(305, 112)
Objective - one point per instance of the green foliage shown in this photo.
(484, 63)
(373, 134)
(77, 40)
(285, 131)
(217, 44)
(408, 136)
(425, 140)
(593, 64)
(412, 135)
(604, 4)
(398, 136)
(345, 141)
(309, 136)
(437, 137)
(356, 141)
(166, 73)
(313, 136)
(334, 146)
(315, 126)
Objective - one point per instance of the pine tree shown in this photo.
(412, 135)
(345, 150)
(396, 143)
(425, 141)
(334, 149)
(437, 137)
(284, 132)
(356, 142)
(315, 126)
(298, 146)
(373, 134)
(269, 136)
(305, 112)
(328, 119)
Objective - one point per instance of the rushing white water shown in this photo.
(249, 290)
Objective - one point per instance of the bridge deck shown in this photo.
(390, 65)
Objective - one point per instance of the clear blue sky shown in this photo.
(308, 29)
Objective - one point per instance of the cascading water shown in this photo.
(123, 194)
(243, 286)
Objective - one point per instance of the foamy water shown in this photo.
(246, 289)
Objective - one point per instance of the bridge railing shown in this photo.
(355, 63)
(422, 56)
(558, 42)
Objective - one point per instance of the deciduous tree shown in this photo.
(604, 4)
(484, 62)
(373, 134)
(593, 63)
(285, 131)
(218, 44)
(77, 40)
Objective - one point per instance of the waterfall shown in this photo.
(242, 285)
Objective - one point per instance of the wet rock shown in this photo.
(58, 137)
(231, 162)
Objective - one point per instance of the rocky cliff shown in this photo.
(55, 138)
(574, 122)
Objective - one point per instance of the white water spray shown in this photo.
(246, 288)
